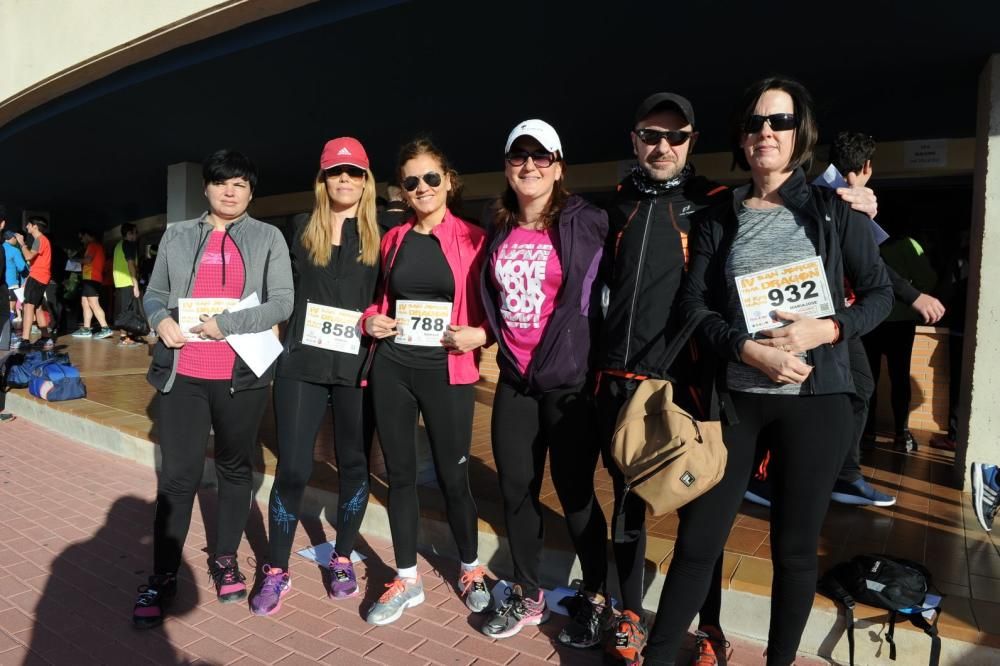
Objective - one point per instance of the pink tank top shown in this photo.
(527, 273)
(214, 360)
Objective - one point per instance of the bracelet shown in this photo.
(836, 331)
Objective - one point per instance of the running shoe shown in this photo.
(276, 583)
(758, 492)
(515, 613)
(472, 587)
(402, 593)
(985, 494)
(944, 442)
(904, 442)
(859, 493)
(592, 615)
(153, 597)
(6, 417)
(343, 581)
(82, 333)
(230, 584)
(103, 333)
(628, 639)
(710, 647)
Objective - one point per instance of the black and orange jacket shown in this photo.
(644, 265)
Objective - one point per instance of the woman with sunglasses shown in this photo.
(427, 321)
(776, 382)
(543, 253)
(335, 262)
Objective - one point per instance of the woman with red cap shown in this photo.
(335, 263)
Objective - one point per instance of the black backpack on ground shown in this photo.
(890, 583)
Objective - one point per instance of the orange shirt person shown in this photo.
(90, 291)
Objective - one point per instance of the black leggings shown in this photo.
(630, 556)
(805, 461)
(299, 408)
(187, 413)
(525, 428)
(894, 339)
(399, 393)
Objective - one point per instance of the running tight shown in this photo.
(187, 413)
(299, 408)
(527, 429)
(399, 394)
(805, 463)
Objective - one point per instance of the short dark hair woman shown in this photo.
(221, 257)
(781, 381)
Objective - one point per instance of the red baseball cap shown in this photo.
(344, 150)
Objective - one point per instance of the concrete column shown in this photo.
(185, 192)
(979, 416)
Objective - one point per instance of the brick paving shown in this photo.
(76, 525)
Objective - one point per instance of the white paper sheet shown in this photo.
(258, 350)
(832, 179)
(321, 554)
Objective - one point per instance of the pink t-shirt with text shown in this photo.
(527, 272)
(213, 360)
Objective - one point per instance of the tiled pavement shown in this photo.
(76, 542)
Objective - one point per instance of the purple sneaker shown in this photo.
(230, 584)
(276, 583)
(343, 581)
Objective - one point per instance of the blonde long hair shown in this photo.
(317, 236)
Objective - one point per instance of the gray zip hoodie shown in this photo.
(264, 253)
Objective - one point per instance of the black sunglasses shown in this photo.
(349, 169)
(652, 137)
(542, 160)
(432, 178)
(779, 122)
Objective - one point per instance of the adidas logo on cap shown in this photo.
(344, 151)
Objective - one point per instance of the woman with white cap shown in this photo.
(335, 262)
(543, 250)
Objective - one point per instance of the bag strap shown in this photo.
(681, 338)
(890, 634)
(840, 594)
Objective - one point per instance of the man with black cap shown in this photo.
(643, 266)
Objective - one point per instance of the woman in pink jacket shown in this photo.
(428, 323)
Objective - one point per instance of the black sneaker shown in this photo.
(148, 610)
(230, 584)
(904, 442)
(587, 626)
(515, 613)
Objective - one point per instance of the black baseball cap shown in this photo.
(672, 100)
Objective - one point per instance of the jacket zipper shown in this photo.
(635, 287)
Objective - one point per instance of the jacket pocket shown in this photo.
(161, 366)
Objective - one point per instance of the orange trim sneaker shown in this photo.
(628, 639)
(472, 587)
(710, 647)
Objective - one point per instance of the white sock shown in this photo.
(408, 572)
(470, 565)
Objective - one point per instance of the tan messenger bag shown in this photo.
(667, 456)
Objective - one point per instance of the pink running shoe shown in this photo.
(343, 581)
(276, 583)
(230, 584)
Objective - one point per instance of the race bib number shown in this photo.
(421, 323)
(332, 328)
(798, 287)
(190, 311)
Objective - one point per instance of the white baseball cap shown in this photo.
(540, 131)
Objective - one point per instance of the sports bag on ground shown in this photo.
(890, 583)
(667, 456)
(19, 374)
(132, 319)
(54, 381)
